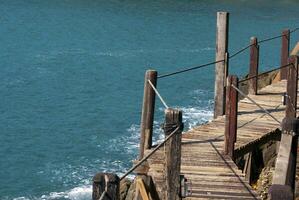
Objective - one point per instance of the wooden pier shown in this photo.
(213, 174)
(221, 159)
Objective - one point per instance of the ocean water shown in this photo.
(71, 80)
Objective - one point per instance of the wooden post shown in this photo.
(285, 48)
(254, 64)
(231, 116)
(106, 182)
(285, 167)
(281, 192)
(292, 85)
(173, 119)
(147, 116)
(221, 68)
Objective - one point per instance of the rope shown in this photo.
(190, 69)
(241, 50)
(103, 195)
(218, 61)
(158, 94)
(269, 39)
(246, 96)
(294, 30)
(106, 188)
(261, 41)
(275, 108)
(261, 74)
(151, 153)
(279, 36)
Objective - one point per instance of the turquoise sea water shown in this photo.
(71, 80)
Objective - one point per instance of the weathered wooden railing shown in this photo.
(147, 115)
(283, 184)
(285, 170)
(232, 100)
(106, 185)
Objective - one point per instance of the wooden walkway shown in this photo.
(213, 175)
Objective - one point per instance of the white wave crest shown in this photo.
(193, 116)
(77, 193)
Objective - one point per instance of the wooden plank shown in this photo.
(173, 119)
(285, 162)
(140, 187)
(202, 159)
(295, 49)
(220, 67)
(105, 183)
(147, 115)
(285, 48)
(231, 116)
(253, 67)
(292, 85)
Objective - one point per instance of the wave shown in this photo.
(129, 145)
(78, 193)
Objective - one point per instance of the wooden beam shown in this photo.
(108, 183)
(285, 168)
(280, 192)
(147, 116)
(173, 119)
(254, 64)
(292, 85)
(231, 114)
(295, 50)
(140, 187)
(221, 68)
(285, 49)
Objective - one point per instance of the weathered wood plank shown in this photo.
(285, 48)
(202, 159)
(147, 116)
(253, 67)
(173, 119)
(221, 67)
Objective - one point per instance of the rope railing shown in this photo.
(254, 102)
(158, 94)
(190, 69)
(150, 154)
(240, 51)
(294, 30)
(103, 195)
(223, 60)
(267, 72)
(260, 42)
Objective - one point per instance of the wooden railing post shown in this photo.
(173, 119)
(108, 183)
(221, 68)
(254, 64)
(285, 48)
(147, 116)
(285, 168)
(292, 85)
(231, 114)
